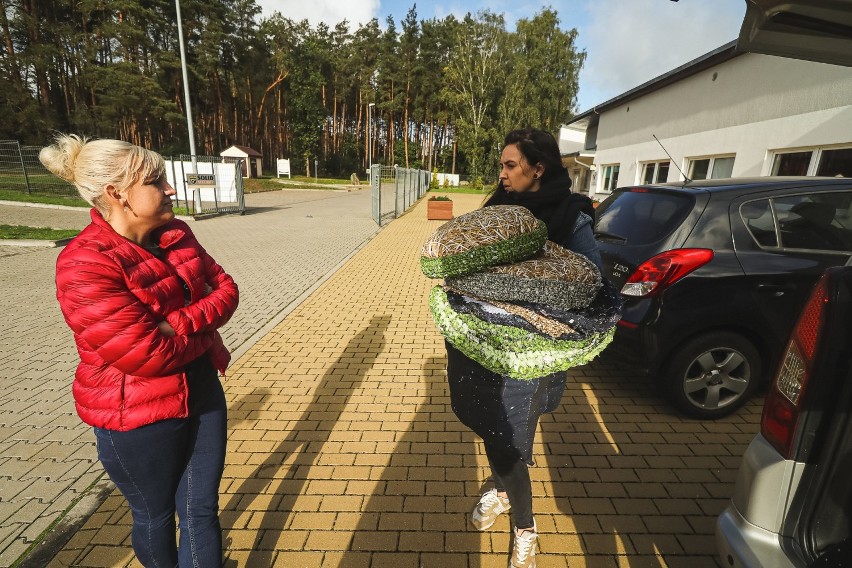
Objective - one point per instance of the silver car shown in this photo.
(792, 505)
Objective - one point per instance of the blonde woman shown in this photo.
(144, 301)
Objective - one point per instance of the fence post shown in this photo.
(376, 193)
(175, 180)
(238, 187)
(215, 185)
(23, 168)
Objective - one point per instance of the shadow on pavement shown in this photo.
(425, 492)
(302, 446)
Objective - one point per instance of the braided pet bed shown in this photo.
(577, 324)
(512, 351)
(480, 239)
(556, 277)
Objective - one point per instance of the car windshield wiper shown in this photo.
(611, 237)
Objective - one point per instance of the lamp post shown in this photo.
(370, 135)
(186, 88)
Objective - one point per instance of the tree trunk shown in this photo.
(281, 76)
(405, 123)
(14, 70)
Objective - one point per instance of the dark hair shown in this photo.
(538, 147)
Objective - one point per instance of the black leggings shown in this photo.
(512, 475)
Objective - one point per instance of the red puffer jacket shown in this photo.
(113, 293)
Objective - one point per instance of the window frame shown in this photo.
(780, 244)
(690, 161)
(656, 174)
(816, 156)
(603, 188)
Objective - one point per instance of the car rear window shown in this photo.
(640, 216)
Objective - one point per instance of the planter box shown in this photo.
(442, 210)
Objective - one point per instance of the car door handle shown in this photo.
(776, 290)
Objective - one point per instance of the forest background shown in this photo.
(445, 91)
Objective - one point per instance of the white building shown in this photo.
(725, 114)
(252, 159)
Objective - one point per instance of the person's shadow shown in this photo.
(282, 476)
(589, 472)
(428, 487)
(630, 492)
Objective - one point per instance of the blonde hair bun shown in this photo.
(61, 158)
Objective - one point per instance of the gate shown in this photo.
(394, 190)
(206, 184)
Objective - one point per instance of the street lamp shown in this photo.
(186, 88)
(370, 134)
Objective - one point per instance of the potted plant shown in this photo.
(439, 207)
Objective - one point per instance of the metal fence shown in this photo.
(203, 184)
(21, 171)
(395, 189)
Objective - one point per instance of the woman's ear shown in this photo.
(113, 194)
(539, 171)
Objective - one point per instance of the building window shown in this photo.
(792, 164)
(610, 177)
(835, 163)
(713, 167)
(831, 162)
(655, 172)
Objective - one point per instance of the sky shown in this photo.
(628, 42)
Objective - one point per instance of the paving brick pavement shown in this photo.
(344, 452)
(283, 247)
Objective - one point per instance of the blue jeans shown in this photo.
(174, 465)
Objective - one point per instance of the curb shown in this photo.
(35, 243)
(45, 205)
(46, 549)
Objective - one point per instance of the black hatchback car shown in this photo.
(714, 273)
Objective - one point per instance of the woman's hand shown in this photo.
(166, 329)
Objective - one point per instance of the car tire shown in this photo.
(712, 375)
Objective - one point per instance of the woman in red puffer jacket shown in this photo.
(144, 301)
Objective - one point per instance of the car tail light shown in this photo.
(783, 403)
(658, 272)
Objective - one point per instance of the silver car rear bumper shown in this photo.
(748, 532)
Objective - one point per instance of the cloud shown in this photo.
(630, 43)
(329, 11)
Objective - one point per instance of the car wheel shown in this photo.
(713, 375)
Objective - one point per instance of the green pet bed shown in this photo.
(477, 240)
(511, 351)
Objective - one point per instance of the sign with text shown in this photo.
(200, 180)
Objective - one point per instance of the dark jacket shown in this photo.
(503, 411)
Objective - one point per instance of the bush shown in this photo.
(433, 183)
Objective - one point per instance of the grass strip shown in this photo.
(35, 233)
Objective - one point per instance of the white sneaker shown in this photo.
(523, 549)
(490, 507)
